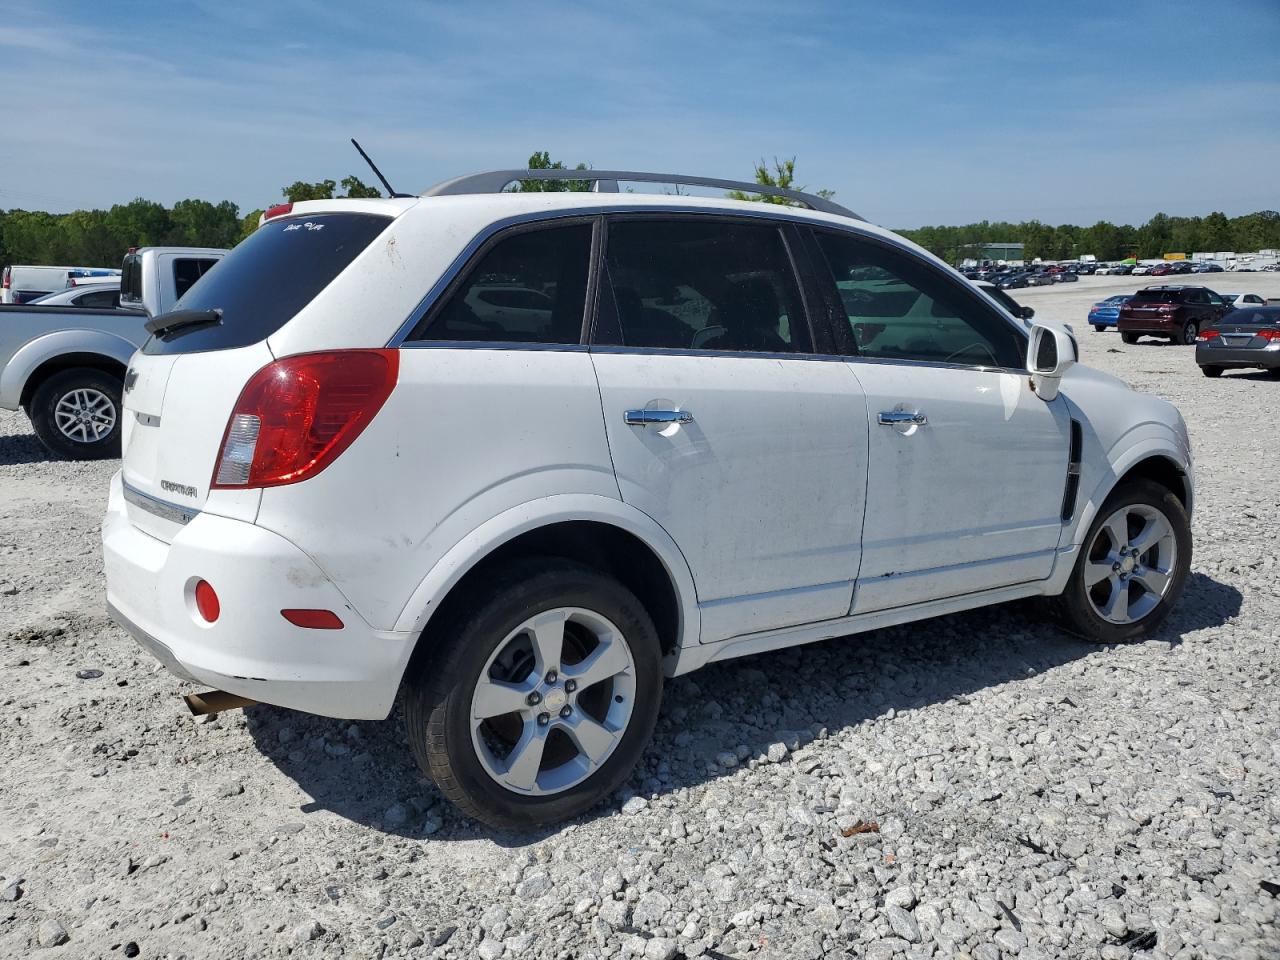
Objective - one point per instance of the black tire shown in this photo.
(1189, 331)
(1129, 337)
(439, 692)
(1073, 608)
(1211, 371)
(1099, 327)
(62, 385)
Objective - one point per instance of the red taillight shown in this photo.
(296, 415)
(207, 601)
(1269, 334)
(279, 210)
(1209, 334)
(313, 619)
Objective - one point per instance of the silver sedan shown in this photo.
(1241, 339)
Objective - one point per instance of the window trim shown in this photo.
(844, 341)
(459, 272)
(791, 245)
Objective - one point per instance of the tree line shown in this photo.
(100, 238)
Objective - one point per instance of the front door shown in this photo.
(967, 466)
(723, 426)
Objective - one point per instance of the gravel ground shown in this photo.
(1035, 796)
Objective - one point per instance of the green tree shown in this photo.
(356, 189)
(541, 160)
(782, 176)
(300, 190)
(199, 223)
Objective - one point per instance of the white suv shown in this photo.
(525, 454)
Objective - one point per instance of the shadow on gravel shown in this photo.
(20, 449)
(364, 772)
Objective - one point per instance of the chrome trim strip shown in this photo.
(149, 643)
(173, 512)
(492, 345)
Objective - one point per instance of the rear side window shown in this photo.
(269, 277)
(530, 287)
(187, 271)
(702, 285)
(99, 299)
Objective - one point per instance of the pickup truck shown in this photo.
(65, 366)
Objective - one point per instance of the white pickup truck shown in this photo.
(65, 366)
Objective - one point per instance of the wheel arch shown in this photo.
(38, 359)
(595, 530)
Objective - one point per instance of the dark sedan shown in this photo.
(1242, 339)
(1011, 281)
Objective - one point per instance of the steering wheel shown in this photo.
(976, 345)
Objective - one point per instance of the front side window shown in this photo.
(700, 284)
(902, 308)
(530, 287)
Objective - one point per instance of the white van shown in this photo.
(22, 284)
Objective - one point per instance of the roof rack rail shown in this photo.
(606, 181)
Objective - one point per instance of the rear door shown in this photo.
(724, 425)
(180, 388)
(966, 465)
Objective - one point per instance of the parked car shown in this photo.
(1175, 313)
(1066, 276)
(1143, 269)
(64, 364)
(1122, 269)
(1209, 268)
(1012, 281)
(348, 485)
(22, 284)
(1106, 312)
(1238, 300)
(83, 295)
(1244, 338)
(1039, 279)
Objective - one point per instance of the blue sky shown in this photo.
(913, 113)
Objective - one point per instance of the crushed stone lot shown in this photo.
(979, 786)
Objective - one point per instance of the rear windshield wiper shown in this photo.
(176, 321)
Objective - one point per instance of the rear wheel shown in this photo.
(1211, 371)
(1132, 567)
(1129, 337)
(1189, 331)
(76, 414)
(1099, 328)
(541, 696)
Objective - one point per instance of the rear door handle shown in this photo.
(891, 418)
(638, 418)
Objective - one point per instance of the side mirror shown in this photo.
(1049, 354)
(1026, 313)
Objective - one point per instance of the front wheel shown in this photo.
(540, 696)
(1132, 566)
(76, 414)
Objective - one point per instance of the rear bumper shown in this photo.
(1267, 358)
(251, 650)
(1148, 325)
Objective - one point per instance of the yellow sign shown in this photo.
(1175, 256)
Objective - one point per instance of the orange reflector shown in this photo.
(313, 619)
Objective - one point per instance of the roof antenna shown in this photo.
(378, 173)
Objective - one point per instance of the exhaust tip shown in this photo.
(215, 701)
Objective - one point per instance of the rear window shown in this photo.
(261, 284)
(1262, 316)
(1157, 296)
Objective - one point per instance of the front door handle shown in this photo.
(638, 418)
(892, 418)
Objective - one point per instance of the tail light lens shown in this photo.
(1209, 334)
(313, 619)
(1269, 334)
(279, 210)
(296, 415)
(207, 601)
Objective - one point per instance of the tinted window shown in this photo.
(269, 277)
(702, 285)
(902, 308)
(187, 271)
(1157, 296)
(530, 287)
(99, 298)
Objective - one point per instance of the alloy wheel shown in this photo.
(1131, 564)
(85, 415)
(553, 701)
